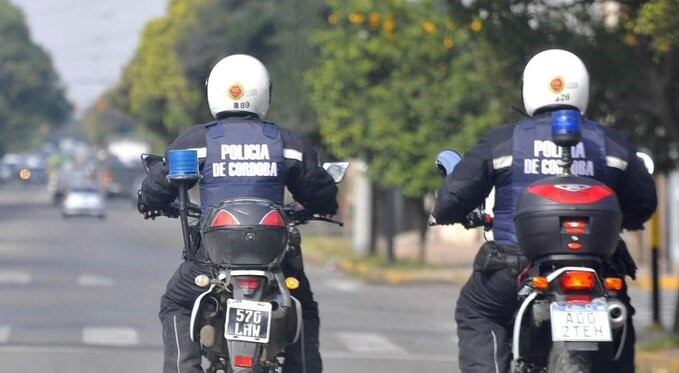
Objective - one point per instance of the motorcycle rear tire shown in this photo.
(563, 361)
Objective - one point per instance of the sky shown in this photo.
(90, 40)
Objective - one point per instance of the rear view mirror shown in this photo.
(337, 170)
(149, 159)
(446, 162)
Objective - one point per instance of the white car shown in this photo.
(85, 201)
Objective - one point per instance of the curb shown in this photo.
(665, 282)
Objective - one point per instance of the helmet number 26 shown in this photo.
(564, 97)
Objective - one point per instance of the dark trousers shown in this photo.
(181, 355)
(484, 315)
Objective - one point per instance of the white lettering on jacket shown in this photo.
(245, 160)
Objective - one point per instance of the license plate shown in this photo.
(580, 322)
(247, 321)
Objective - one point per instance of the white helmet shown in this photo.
(239, 83)
(555, 77)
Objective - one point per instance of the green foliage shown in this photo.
(154, 89)
(163, 87)
(630, 89)
(659, 20)
(396, 82)
(31, 99)
(102, 122)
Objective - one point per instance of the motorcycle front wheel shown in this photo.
(563, 361)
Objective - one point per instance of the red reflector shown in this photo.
(224, 219)
(573, 280)
(575, 246)
(573, 194)
(244, 361)
(273, 218)
(575, 227)
(248, 284)
(581, 299)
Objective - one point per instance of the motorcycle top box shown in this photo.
(245, 232)
(568, 215)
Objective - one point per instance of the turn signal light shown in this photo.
(577, 281)
(292, 283)
(540, 283)
(244, 361)
(614, 283)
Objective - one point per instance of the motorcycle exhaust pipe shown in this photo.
(617, 313)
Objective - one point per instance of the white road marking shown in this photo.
(368, 343)
(106, 336)
(5, 330)
(343, 355)
(346, 286)
(89, 280)
(15, 277)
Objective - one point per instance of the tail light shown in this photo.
(244, 361)
(273, 218)
(248, 284)
(577, 281)
(224, 218)
(575, 227)
(572, 194)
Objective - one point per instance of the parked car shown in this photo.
(84, 201)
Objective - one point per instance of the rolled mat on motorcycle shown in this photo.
(570, 318)
(246, 317)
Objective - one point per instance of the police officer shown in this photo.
(511, 157)
(239, 94)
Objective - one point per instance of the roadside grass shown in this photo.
(659, 354)
(337, 251)
(661, 341)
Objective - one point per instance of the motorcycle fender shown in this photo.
(240, 348)
(298, 327)
(197, 309)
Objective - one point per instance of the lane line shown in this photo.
(15, 277)
(90, 280)
(346, 286)
(107, 336)
(342, 355)
(362, 342)
(5, 331)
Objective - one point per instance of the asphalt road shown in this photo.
(81, 295)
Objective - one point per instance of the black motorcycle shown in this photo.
(246, 317)
(570, 319)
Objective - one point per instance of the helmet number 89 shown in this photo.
(241, 105)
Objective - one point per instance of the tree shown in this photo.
(184, 46)
(396, 82)
(632, 87)
(31, 99)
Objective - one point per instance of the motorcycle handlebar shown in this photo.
(300, 216)
(475, 219)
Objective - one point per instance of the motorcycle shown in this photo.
(246, 317)
(570, 318)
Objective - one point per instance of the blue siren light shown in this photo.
(183, 164)
(566, 127)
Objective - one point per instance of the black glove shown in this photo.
(149, 213)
